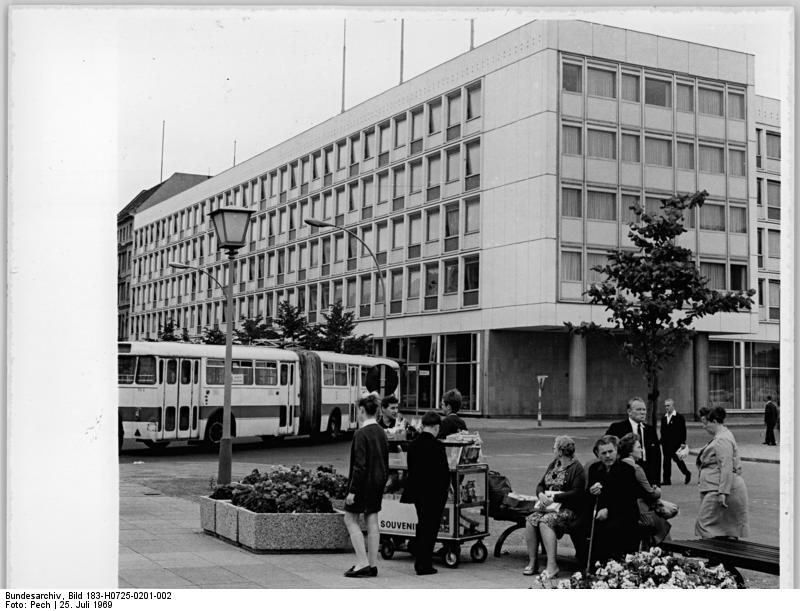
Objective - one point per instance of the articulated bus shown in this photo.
(174, 392)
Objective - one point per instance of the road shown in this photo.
(520, 454)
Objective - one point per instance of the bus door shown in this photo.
(287, 400)
(169, 421)
(354, 379)
(188, 398)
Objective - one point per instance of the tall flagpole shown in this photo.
(163, 127)
(402, 36)
(344, 59)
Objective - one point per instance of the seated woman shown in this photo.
(560, 492)
(630, 451)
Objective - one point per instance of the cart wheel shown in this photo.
(387, 549)
(452, 556)
(478, 552)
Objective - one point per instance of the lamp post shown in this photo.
(316, 223)
(230, 226)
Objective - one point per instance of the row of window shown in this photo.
(427, 284)
(448, 222)
(720, 276)
(656, 91)
(446, 113)
(658, 151)
(600, 205)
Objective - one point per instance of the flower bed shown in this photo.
(288, 509)
(651, 569)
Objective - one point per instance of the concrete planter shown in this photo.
(275, 532)
(293, 532)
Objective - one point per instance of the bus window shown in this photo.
(146, 371)
(169, 419)
(364, 377)
(215, 371)
(126, 366)
(327, 374)
(341, 374)
(186, 372)
(266, 373)
(194, 417)
(291, 374)
(244, 369)
(172, 374)
(196, 371)
(160, 371)
(183, 419)
(284, 377)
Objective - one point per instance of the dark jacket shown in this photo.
(574, 490)
(369, 462)
(770, 413)
(451, 424)
(650, 443)
(428, 471)
(620, 492)
(673, 435)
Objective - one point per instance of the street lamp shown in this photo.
(196, 269)
(316, 223)
(230, 226)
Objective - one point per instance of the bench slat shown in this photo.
(744, 554)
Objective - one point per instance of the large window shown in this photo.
(630, 87)
(571, 270)
(571, 140)
(658, 152)
(736, 162)
(774, 244)
(657, 93)
(630, 148)
(451, 276)
(685, 97)
(571, 202)
(472, 216)
(685, 156)
(735, 106)
(601, 205)
(601, 144)
(734, 384)
(773, 146)
(738, 219)
(471, 280)
(712, 217)
(571, 78)
(774, 200)
(473, 101)
(712, 159)
(714, 273)
(709, 101)
(774, 300)
(601, 83)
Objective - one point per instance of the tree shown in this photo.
(290, 325)
(656, 292)
(167, 332)
(253, 331)
(337, 332)
(212, 335)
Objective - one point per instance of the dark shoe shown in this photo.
(373, 570)
(428, 571)
(362, 572)
(688, 478)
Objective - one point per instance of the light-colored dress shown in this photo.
(720, 471)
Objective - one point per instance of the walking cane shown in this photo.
(591, 536)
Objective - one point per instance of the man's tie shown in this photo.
(641, 436)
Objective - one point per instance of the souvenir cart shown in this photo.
(465, 517)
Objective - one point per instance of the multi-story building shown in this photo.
(146, 198)
(488, 187)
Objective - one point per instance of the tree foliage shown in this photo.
(290, 325)
(253, 331)
(212, 335)
(656, 292)
(167, 333)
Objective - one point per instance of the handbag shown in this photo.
(666, 509)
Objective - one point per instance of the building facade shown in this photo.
(125, 251)
(488, 187)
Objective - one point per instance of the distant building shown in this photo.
(147, 197)
(489, 186)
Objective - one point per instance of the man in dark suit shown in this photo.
(427, 487)
(770, 420)
(651, 449)
(673, 436)
(612, 488)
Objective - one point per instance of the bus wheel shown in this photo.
(335, 426)
(156, 445)
(214, 433)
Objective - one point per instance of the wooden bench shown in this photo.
(733, 555)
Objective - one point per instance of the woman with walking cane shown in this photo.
(612, 485)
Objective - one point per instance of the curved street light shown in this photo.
(316, 223)
(196, 269)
